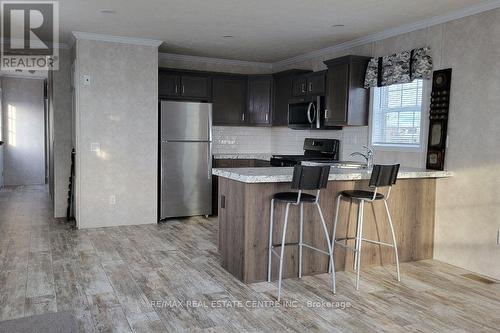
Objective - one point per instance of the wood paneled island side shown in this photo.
(244, 208)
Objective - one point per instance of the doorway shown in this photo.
(23, 130)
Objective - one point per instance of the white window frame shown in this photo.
(424, 122)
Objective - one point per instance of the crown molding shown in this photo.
(422, 24)
(116, 39)
(216, 61)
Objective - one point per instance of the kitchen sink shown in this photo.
(348, 165)
(340, 164)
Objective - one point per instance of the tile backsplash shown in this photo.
(241, 140)
(282, 140)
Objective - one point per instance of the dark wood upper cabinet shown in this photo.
(260, 97)
(309, 84)
(229, 99)
(347, 99)
(299, 86)
(316, 83)
(283, 85)
(168, 84)
(195, 86)
(178, 85)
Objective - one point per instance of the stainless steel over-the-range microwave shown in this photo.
(306, 112)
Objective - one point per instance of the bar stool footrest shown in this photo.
(315, 249)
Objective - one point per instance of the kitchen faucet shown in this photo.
(368, 156)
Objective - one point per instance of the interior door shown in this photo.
(186, 179)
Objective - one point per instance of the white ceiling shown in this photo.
(263, 30)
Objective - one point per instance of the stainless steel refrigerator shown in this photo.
(186, 159)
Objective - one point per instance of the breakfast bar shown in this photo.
(244, 208)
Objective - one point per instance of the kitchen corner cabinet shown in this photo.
(260, 98)
(282, 94)
(347, 99)
(229, 98)
(309, 84)
(184, 86)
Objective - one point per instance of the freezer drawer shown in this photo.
(186, 121)
(186, 179)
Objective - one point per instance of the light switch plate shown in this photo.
(95, 147)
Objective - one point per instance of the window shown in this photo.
(396, 115)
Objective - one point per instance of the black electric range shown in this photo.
(315, 150)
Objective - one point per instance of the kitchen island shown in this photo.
(244, 201)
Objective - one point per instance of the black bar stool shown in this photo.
(382, 176)
(304, 178)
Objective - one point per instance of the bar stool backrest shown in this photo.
(310, 177)
(384, 175)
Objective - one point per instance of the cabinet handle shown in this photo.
(242, 117)
(326, 113)
(310, 86)
(303, 86)
(176, 89)
(267, 117)
(182, 89)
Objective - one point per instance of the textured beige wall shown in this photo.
(468, 207)
(119, 110)
(62, 130)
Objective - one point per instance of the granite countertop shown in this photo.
(283, 175)
(245, 156)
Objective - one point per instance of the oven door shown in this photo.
(303, 113)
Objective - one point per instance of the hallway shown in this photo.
(109, 277)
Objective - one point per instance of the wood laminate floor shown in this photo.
(167, 278)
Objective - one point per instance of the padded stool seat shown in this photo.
(360, 194)
(307, 178)
(292, 197)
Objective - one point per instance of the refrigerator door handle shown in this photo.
(209, 160)
(210, 124)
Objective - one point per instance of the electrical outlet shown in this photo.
(86, 80)
(112, 199)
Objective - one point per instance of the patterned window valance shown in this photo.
(401, 67)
